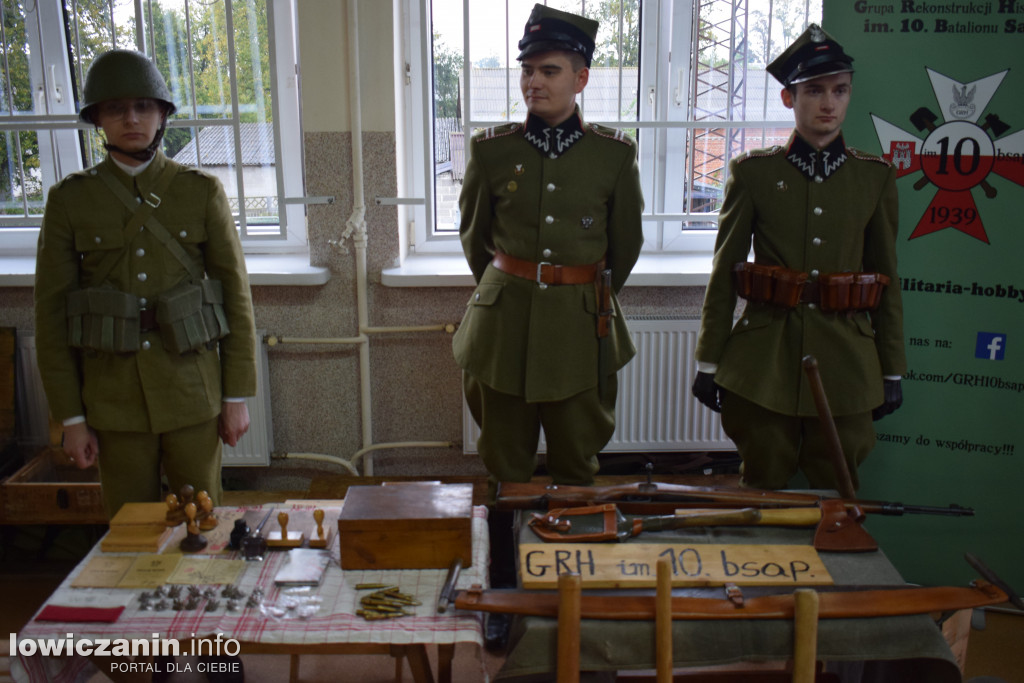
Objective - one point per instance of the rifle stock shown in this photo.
(518, 496)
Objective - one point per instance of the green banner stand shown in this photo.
(939, 89)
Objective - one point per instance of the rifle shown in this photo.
(838, 520)
(644, 497)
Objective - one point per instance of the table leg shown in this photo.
(445, 655)
(293, 669)
(418, 662)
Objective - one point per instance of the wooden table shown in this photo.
(333, 629)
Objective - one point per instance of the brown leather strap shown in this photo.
(147, 320)
(547, 273)
(838, 605)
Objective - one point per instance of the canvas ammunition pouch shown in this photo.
(834, 292)
(191, 316)
(103, 319)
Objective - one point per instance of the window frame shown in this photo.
(664, 123)
(58, 127)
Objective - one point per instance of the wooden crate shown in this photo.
(406, 526)
(49, 489)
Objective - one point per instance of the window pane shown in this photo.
(21, 187)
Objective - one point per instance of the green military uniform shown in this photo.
(818, 212)
(130, 397)
(568, 195)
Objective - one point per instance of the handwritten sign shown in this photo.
(633, 565)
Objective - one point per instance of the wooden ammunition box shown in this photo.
(49, 489)
(406, 526)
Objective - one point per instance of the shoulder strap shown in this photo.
(142, 216)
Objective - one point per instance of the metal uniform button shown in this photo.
(818, 179)
(182, 234)
(142, 277)
(816, 241)
(745, 322)
(812, 305)
(145, 345)
(814, 273)
(543, 285)
(98, 239)
(92, 171)
(549, 219)
(546, 253)
(142, 302)
(477, 296)
(551, 187)
(140, 252)
(817, 211)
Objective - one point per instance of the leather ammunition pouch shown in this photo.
(834, 293)
(191, 316)
(851, 291)
(103, 319)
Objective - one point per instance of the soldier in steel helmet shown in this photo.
(144, 321)
(551, 229)
(822, 219)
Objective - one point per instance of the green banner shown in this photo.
(939, 89)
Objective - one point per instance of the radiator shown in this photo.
(253, 450)
(655, 410)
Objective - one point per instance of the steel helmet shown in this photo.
(122, 74)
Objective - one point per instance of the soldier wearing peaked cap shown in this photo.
(551, 229)
(144, 321)
(822, 220)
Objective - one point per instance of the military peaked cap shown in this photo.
(551, 29)
(815, 53)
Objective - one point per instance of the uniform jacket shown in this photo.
(574, 209)
(152, 390)
(817, 212)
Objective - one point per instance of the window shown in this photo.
(231, 69)
(686, 77)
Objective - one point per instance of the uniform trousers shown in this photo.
(773, 446)
(130, 464)
(575, 429)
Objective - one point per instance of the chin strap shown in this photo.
(141, 155)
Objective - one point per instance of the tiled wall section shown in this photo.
(415, 384)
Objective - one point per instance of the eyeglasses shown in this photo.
(118, 109)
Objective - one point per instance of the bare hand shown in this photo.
(234, 422)
(81, 445)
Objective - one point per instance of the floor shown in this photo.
(35, 558)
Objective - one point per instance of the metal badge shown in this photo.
(781, 186)
(512, 186)
(518, 169)
(586, 222)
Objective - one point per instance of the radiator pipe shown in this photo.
(357, 223)
(274, 340)
(323, 457)
(400, 444)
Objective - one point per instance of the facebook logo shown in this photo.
(990, 346)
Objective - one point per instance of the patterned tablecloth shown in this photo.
(334, 621)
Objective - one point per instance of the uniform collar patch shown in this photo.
(553, 141)
(813, 162)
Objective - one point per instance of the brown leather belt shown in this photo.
(147, 320)
(547, 273)
(811, 293)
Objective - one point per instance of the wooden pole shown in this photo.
(569, 593)
(663, 623)
(805, 635)
(844, 484)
